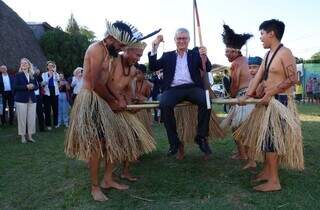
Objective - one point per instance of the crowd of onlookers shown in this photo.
(310, 93)
(45, 98)
(30, 95)
(313, 90)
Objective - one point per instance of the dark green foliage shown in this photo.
(65, 49)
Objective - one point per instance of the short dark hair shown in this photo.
(274, 25)
(141, 67)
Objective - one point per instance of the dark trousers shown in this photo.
(40, 112)
(175, 95)
(155, 110)
(51, 102)
(7, 100)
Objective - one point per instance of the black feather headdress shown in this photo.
(233, 40)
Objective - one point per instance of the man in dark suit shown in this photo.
(182, 81)
(157, 81)
(6, 89)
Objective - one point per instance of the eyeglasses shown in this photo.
(182, 38)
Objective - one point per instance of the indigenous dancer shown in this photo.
(133, 137)
(254, 64)
(91, 134)
(274, 127)
(142, 92)
(240, 79)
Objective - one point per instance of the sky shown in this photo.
(302, 19)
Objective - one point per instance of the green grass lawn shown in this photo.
(39, 176)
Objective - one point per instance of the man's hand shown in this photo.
(156, 42)
(265, 100)
(30, 86)
(242, 99)
(117, 106)
(203, 50)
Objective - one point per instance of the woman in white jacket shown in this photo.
(51, 93)
(77, 82)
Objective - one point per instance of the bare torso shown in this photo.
(119, 81)
(95, 66)
(143, 89)
(240, 75)
(277, 72)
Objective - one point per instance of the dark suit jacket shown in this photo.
(168, 63)
(157, 86)
(22, 94)
(11, 78)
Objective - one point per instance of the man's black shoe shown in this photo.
(173, 150)
(203, 145)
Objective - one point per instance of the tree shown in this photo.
(316, 56)
(86, 32)
(65, 49)
(72, 27)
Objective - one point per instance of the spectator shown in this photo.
(316, 90)
(77, 82)
(309, 88)
(157, 81)
(39, 96)
(24, 87)
(51, 93)
(226, 81)
(6, 90)
(298, 92)
(64, 106)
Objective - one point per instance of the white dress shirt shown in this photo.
(45, 82)
(6, 82)
(182, 73)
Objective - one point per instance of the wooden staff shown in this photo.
(204, 74)
(195, 7)
(155, 104)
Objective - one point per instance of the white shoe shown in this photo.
(49, 128)
(57, 126)
(32, 140)
(23, 140)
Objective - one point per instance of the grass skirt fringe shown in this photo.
(279, 123)
(146, 119)
(237, 115)
(90, 128)
(187, 122)
(134, 137)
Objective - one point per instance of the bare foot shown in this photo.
(97, 194)
(250, 165)
(239, 157)
(113, 184)
(235, 156)
(269, 186)
(263, 176)
(129, 177)
(206, 157)
(180, 155)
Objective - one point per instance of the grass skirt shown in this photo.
(236, 115)
(133, 136)
(279, 123)
(187, 122)
(145, 118)
(90, 128)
